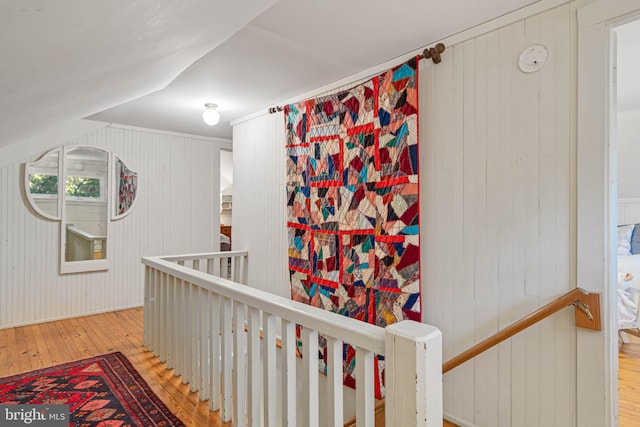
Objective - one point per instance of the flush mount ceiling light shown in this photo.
(211, 115)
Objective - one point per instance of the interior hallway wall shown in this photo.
(177, 211)
(495, 147)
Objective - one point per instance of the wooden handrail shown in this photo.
(587, 303)
(575, 296)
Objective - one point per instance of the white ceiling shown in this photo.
(154, 63)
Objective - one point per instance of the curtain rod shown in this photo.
(432, 53)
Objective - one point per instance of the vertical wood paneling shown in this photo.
(495, 221)
(175, 213)
(519, 178)
(496, 197)
(628, 211)
(471, 212)
(259, 201)
(563, 332)
(547, 249)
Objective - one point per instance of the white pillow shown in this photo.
(624, 239)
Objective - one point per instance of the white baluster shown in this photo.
(335, 412)
(221, 268)
(234, 275)
(289, 347)
(184, 331)
(203, 344)
(192, 331)
(214, 351)
(195, 336)
(364, 388)
(239, 367)
(160, 315)
(227, 362)
(178, 365)
(254, 375)
(148, 272)
(244, 270)
(154, 312)
(270, 386)
(310, 360)
(169, 321)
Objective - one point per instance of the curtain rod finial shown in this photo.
(434, 53)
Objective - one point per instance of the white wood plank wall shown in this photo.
(177, 212)
(259, 201)
(495, 216)
(495, 204)
(628, 211)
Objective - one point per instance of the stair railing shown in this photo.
(221, 337)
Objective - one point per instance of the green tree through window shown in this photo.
(43, 184)
(83, 187)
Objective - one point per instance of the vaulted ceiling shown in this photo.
(154, 63)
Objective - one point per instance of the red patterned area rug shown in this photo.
(103, 391)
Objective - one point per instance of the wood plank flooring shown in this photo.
(45, 344)
(629, 382)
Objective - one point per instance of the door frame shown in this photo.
(597, 353)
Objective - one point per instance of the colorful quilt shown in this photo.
(127, 187)
(352, 185)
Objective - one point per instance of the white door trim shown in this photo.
(597, 354)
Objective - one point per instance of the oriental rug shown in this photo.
(353, 203)
(103, 391)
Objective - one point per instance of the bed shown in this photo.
(628, 294)
(225, 243)
(628, 283)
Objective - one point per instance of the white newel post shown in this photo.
(413, 377)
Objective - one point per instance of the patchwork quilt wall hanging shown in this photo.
(352, 187)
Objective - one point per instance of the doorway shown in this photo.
(226, 198)
(596, 202)
(626, 128)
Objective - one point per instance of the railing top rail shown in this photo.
(207, 255)
(355, 332)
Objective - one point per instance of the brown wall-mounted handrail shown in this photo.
(577, 297)
(587, 308)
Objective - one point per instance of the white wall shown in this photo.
(259, 201)
(628, 153)
(496, 183)
(177, 212)
(496, 221)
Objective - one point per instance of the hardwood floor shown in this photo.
(629, 382)
(38, 346)
(45, 344)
